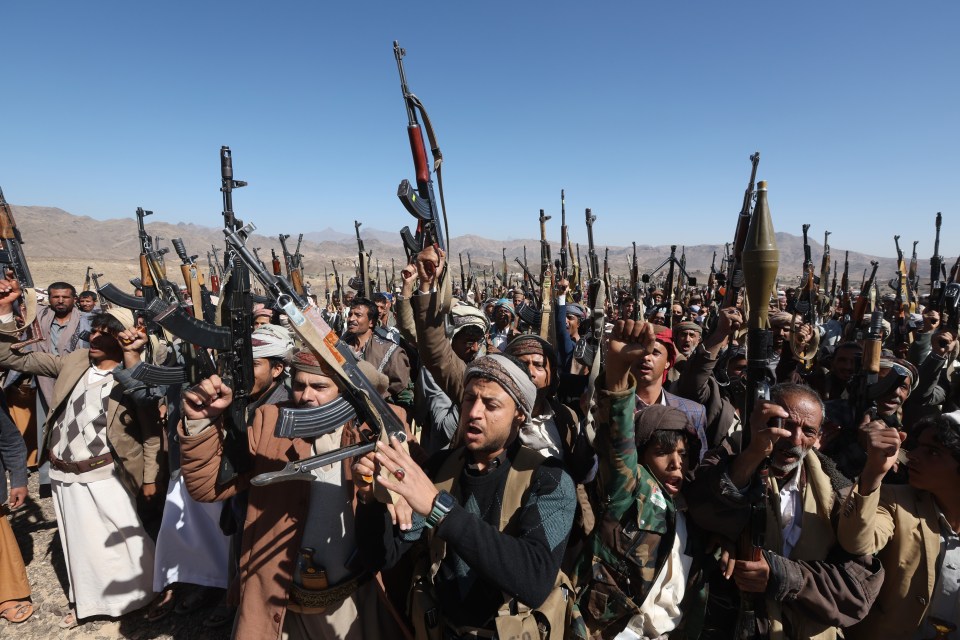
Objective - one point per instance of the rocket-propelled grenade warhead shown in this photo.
(760, 260)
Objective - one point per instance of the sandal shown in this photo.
(17, 612)
(162, 606)
(220, 616)
(68, 621)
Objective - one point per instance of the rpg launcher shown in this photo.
(420, 202)
(760, 258)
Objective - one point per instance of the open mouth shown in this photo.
(674, 484)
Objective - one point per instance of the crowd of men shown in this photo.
(534, 495)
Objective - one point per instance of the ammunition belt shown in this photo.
(308, 601)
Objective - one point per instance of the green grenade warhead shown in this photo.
(760, 260)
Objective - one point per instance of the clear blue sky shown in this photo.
(644, 111)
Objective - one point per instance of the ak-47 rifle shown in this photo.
(360, 398)
(863, 300)
(900, 330)
(287, 256)
(547, 328)
(938, 272)
(463, 276)
(363, 275)
(712, 279)
(913, 280)
(393, 275)
(578, 276)
(506, 278)
(95, 278)
(275, 263)
(86, 280)
(564, 237)
(379, 288)
(606, 265)
(831, 308)
(236, 364)
(420, 203)
(203, 307)
(216, 272)
(846, 304)
(587, 351)
(635, 284)
(760, 258)
(806, 307)
(825, 300)
(734, 279)
(296, 268)
(336, 280)
(14, 261)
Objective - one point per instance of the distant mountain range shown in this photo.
(53, 236)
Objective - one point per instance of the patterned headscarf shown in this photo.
(514, 380)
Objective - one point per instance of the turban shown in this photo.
(272, 341)
(514, 380)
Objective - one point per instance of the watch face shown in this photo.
(445, 501)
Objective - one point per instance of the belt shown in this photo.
(83, 466)
(307, 601)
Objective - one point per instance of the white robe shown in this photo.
(191, 548)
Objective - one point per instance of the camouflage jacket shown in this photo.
(634, 534)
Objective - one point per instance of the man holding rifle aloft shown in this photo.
(299, 575)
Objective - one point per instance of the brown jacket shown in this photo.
(133, 429)
(275, 519)
(901, 525)
(819, 588)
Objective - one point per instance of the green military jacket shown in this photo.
(634, 534)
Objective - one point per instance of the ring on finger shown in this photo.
(399, 474)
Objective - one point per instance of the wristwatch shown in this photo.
(442, 505)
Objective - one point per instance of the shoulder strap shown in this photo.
(386, 357)
(522, 467)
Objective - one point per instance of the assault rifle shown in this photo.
(734, 279)
(360, 398)
(825, 300)
(463, 277)
(86, 280)
(420, 203)
(913, 280)
(806, 307)
(336, 280)
(578, 276)
(14, 261)
(712, 279)
(845, 302)
(363, 266)
(635, 284)
(564, 237)
(202, 305)
(236, 363)
(587, 351)
(95, 278)
(214, 269)
(760, 258)
(938, 272)
(547, 328)
(275, 262)
(860, 307)
(296, 268)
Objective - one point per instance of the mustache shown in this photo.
(797, 451)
